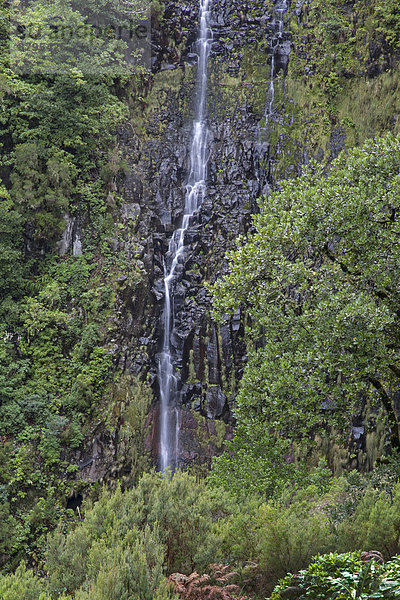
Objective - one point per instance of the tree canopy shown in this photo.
(318, 280)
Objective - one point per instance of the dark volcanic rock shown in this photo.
(207, 356)
(216, 403)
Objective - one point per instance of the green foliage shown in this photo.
(281, 535)
(56, 374)
(58, 38)
(22, 585)
(341, 84)
(59, 111)
(108, 567)
(134, 398)
(60, 108)
(341, 577)
(126, 539)
(375, 523)
(264, 540)
(8, 526)
(318, 280)
(184, 511)
(389, 18)
(57, 379)
(55, 368)
(41, 188)
(11, 270)
(291, 537)
(253, 463)
(67, 124)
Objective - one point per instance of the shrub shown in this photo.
(342, 576)
(22, 585)
(185, 512)
(265, 540)
(291, 537)
(129, 537)
(376, 523)
(131, 568)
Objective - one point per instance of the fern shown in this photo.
(215, 585)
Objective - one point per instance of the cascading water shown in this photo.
(280, 8)
(264, 133)
(194, 194)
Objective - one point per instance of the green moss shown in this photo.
(210, 442)
(192, 378)
(334, 88)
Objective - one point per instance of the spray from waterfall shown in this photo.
(194, 194)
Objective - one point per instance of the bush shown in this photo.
(124, 570)
(376, 523)
(128, 538)
(291, 537)
(341, 576)
(280, 536)
(22, 585)
(185, 512)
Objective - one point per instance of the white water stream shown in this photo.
(280, 8)
(194, 194)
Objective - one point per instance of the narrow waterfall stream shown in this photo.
(264, 129)
(280, 7)
(194, 194)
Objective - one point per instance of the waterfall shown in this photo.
(280, 8)
(276, 42)
(194, 194)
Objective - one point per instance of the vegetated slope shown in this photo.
(319, 281)
(65, 274)
(76, 327)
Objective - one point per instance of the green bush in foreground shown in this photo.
(130, 539)
(342, 577)
(22, 585)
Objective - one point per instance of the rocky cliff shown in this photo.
(330, 70)
(209, 358)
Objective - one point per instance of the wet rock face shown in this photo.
(97, 462)
(216, 402)
(208, 358)
(71, 237)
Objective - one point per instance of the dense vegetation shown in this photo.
(262, 518)
(59, 161)
(128, 541)
(317, 280)
(342, 81)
